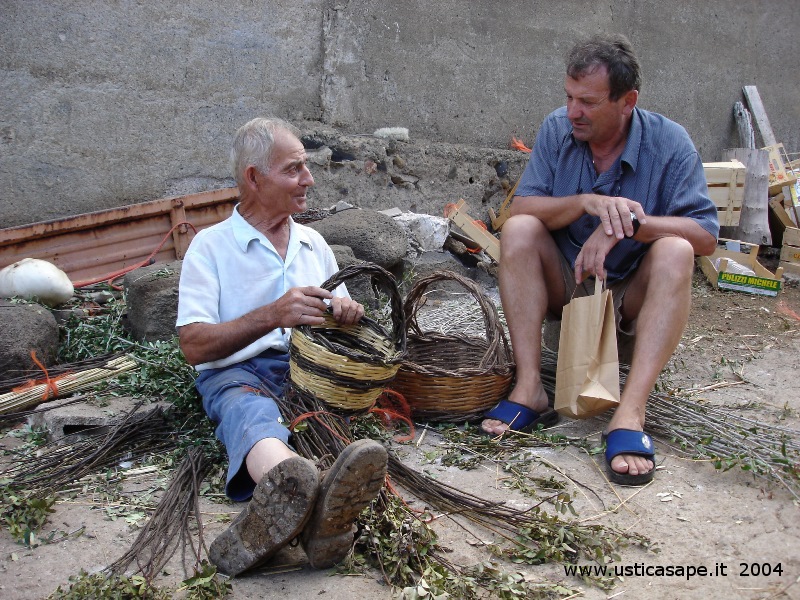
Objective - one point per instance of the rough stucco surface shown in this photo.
(106, 104)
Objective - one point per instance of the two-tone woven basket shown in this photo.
(453, 377)
(348, 366)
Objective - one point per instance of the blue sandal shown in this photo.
(628, 441)
(521, 418)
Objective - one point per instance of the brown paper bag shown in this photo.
(587, 372)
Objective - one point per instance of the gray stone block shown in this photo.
(67, 420)
(152, 300)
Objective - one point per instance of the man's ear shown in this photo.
(630, 102)
(250, 177)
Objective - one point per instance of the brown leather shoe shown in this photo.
(280, 507)
(354, 480)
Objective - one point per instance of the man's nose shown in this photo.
(574, 111)
(306, 178)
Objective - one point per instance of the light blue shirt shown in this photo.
(659, 168)
(231, 269)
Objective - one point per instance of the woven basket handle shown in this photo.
(386, 280)
(495, 335)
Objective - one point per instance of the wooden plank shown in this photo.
(790, 254)
(480, 236)
(791, 236)
(505, 209)
(757, 109)
(792, 268)
(719, 173)
(776, 204)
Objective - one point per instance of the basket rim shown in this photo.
(498, 368)
(386, 279)
(498, 352)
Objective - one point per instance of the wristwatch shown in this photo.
(635, 223)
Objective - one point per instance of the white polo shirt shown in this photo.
(231, 269)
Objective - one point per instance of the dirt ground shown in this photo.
(739, 351)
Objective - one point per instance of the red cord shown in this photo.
(117, 274)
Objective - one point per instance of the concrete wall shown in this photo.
(108, 103)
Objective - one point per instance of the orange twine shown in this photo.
(110, 277)
(391, 406)
(50, 390)
(316, 415)
(519, 145)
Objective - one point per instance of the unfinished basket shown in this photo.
(348, 366)
(453, 377)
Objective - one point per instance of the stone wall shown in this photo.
(106, 104)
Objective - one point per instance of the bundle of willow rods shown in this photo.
(16, 401)
(9, 383)
(58, 465)
(327, 434)
(169, 526)
(769, 451)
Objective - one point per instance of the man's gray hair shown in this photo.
(253, 143)
(613, 51)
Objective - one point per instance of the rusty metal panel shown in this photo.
(98, 244)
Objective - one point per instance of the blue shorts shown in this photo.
(244, 414)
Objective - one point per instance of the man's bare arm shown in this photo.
(206, 342)
(555, 213)
(703, 242)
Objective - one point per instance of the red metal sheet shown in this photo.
(98, 244)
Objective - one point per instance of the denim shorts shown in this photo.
(237, 398)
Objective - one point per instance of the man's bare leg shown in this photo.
(264, 455)
(660, 294)
(530, 281)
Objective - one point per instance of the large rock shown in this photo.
(373, 236)
(360, 287)
(25, 328)
(429, 262)
(425, 233)
(152, 300)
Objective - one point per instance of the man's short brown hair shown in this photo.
(616, 54)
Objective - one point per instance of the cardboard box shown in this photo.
(790, 251)
(728, 277)
(779, 173)
(726, 189)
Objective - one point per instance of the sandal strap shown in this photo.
(629, 441)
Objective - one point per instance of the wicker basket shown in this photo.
(453, 377)
(348, 366)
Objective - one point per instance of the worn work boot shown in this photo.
(280, 507)
(354, 480)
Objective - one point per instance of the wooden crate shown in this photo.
(790, 251)
(458, 214)
(726, 189)
(764, 282)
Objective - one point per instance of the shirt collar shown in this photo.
(244, 233)
(630, 154)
